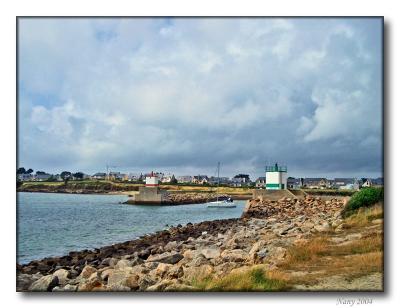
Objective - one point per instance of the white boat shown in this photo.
(226, 203)
(221, 204)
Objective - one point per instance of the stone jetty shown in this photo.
(155, 197)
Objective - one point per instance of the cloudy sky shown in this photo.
(178, 95)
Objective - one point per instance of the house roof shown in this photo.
(99, 174)
(344, 180)
(308, 180)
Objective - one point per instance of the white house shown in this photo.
(260, 182)
(184, 179)
(152, 180)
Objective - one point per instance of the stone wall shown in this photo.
(274, 195)
(151, 195)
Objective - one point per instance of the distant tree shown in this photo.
(173, 180)
(78, 175)
(29, 171)
(52, 178)
(40, 172)
(65, 175)
(21, 170)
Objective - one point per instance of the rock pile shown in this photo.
(191, 198)
(287, 208)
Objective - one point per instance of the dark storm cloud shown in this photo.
(181, 94)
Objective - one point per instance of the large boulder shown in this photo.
(87, 272)
(63, 275)
(257, 246)
(203, 271)
(162, 269)
(46, 283)
(24, 281)
(93, 283)
(324, 227)
(159, 286)
(121, 279)
(166, 257)
(211, 253)
(145, 281)
(235, 255)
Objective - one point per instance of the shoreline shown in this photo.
(180, 257)
(121, 248)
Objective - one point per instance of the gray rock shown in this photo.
(211, 253)
(46, 283)
(171, 246)
(324, 227)
(24, 281)
(63, 276)
(166, 257)
(144, 282)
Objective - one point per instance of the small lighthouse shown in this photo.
(276, 177)
(152, 180)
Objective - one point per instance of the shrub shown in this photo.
(364, 198)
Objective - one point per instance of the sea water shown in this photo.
(50, 224)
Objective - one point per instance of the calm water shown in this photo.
(55, 224)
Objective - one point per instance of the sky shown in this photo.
(178, 95)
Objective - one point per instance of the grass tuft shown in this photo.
(254, 279)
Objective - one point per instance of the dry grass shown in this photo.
(365, 215)
(255, 279)
(354, 258)
(306, 252)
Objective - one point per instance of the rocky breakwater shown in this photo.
(173, 259)
(192, 198)
(179, 199)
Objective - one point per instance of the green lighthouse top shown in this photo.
(275, 168)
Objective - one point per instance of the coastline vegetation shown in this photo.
(366, 197)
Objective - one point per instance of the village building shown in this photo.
(99, 176)
(260, 182)
(200, 179)
(316, 183)
(184, 179)
(294, 183)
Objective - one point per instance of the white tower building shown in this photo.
(152, 180)
(276, 177)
